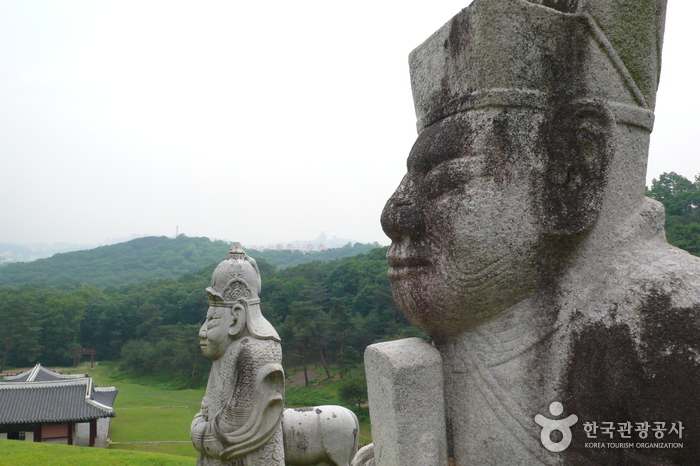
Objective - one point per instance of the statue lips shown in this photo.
(401, 266)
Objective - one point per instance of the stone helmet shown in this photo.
(237, 279)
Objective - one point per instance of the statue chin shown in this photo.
(209, 353)
(434, 311)
(443, 300)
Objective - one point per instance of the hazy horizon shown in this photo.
(236, 120)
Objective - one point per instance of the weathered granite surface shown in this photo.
(408, 408)
(523, 245)
(364, 456)
(240, 420)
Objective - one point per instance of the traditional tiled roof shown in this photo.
(40, 374)
(105, 395)
(72, 399)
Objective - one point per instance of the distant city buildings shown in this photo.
(319, 244)
(10, 252)
(291, 247)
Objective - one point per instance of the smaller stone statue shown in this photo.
(240, 420)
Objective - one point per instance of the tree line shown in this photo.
(681, 200)
(325, 312)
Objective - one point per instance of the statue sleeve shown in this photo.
(254, 412)
(202, 434)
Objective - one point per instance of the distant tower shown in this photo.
(177, 230)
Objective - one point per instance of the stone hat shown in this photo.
(533, 53)
(238, 277)
(235, 278)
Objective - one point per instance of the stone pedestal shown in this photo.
(405, 389)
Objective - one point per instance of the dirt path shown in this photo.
(314, 373)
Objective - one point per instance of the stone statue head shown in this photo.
(234, 305)
(533, 120)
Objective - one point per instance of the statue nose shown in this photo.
(402, 216)
(202, 331)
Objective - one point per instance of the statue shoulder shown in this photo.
(257, 352)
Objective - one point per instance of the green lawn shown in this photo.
(15, 453)
(148, 413)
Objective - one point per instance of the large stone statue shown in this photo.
(239, 423)
(567, 329)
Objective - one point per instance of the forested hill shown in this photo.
(325, 312)
(150, 257)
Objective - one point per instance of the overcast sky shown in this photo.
(255, 121)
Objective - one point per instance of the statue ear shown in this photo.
(577, 143)
(240, 314)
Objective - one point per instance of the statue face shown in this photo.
(466, 242)
(214, 338)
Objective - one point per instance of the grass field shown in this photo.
(14, 453)
(149, 414)
(152, 414)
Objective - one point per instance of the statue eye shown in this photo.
(446, 177)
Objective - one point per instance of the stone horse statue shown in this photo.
(319, 436)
